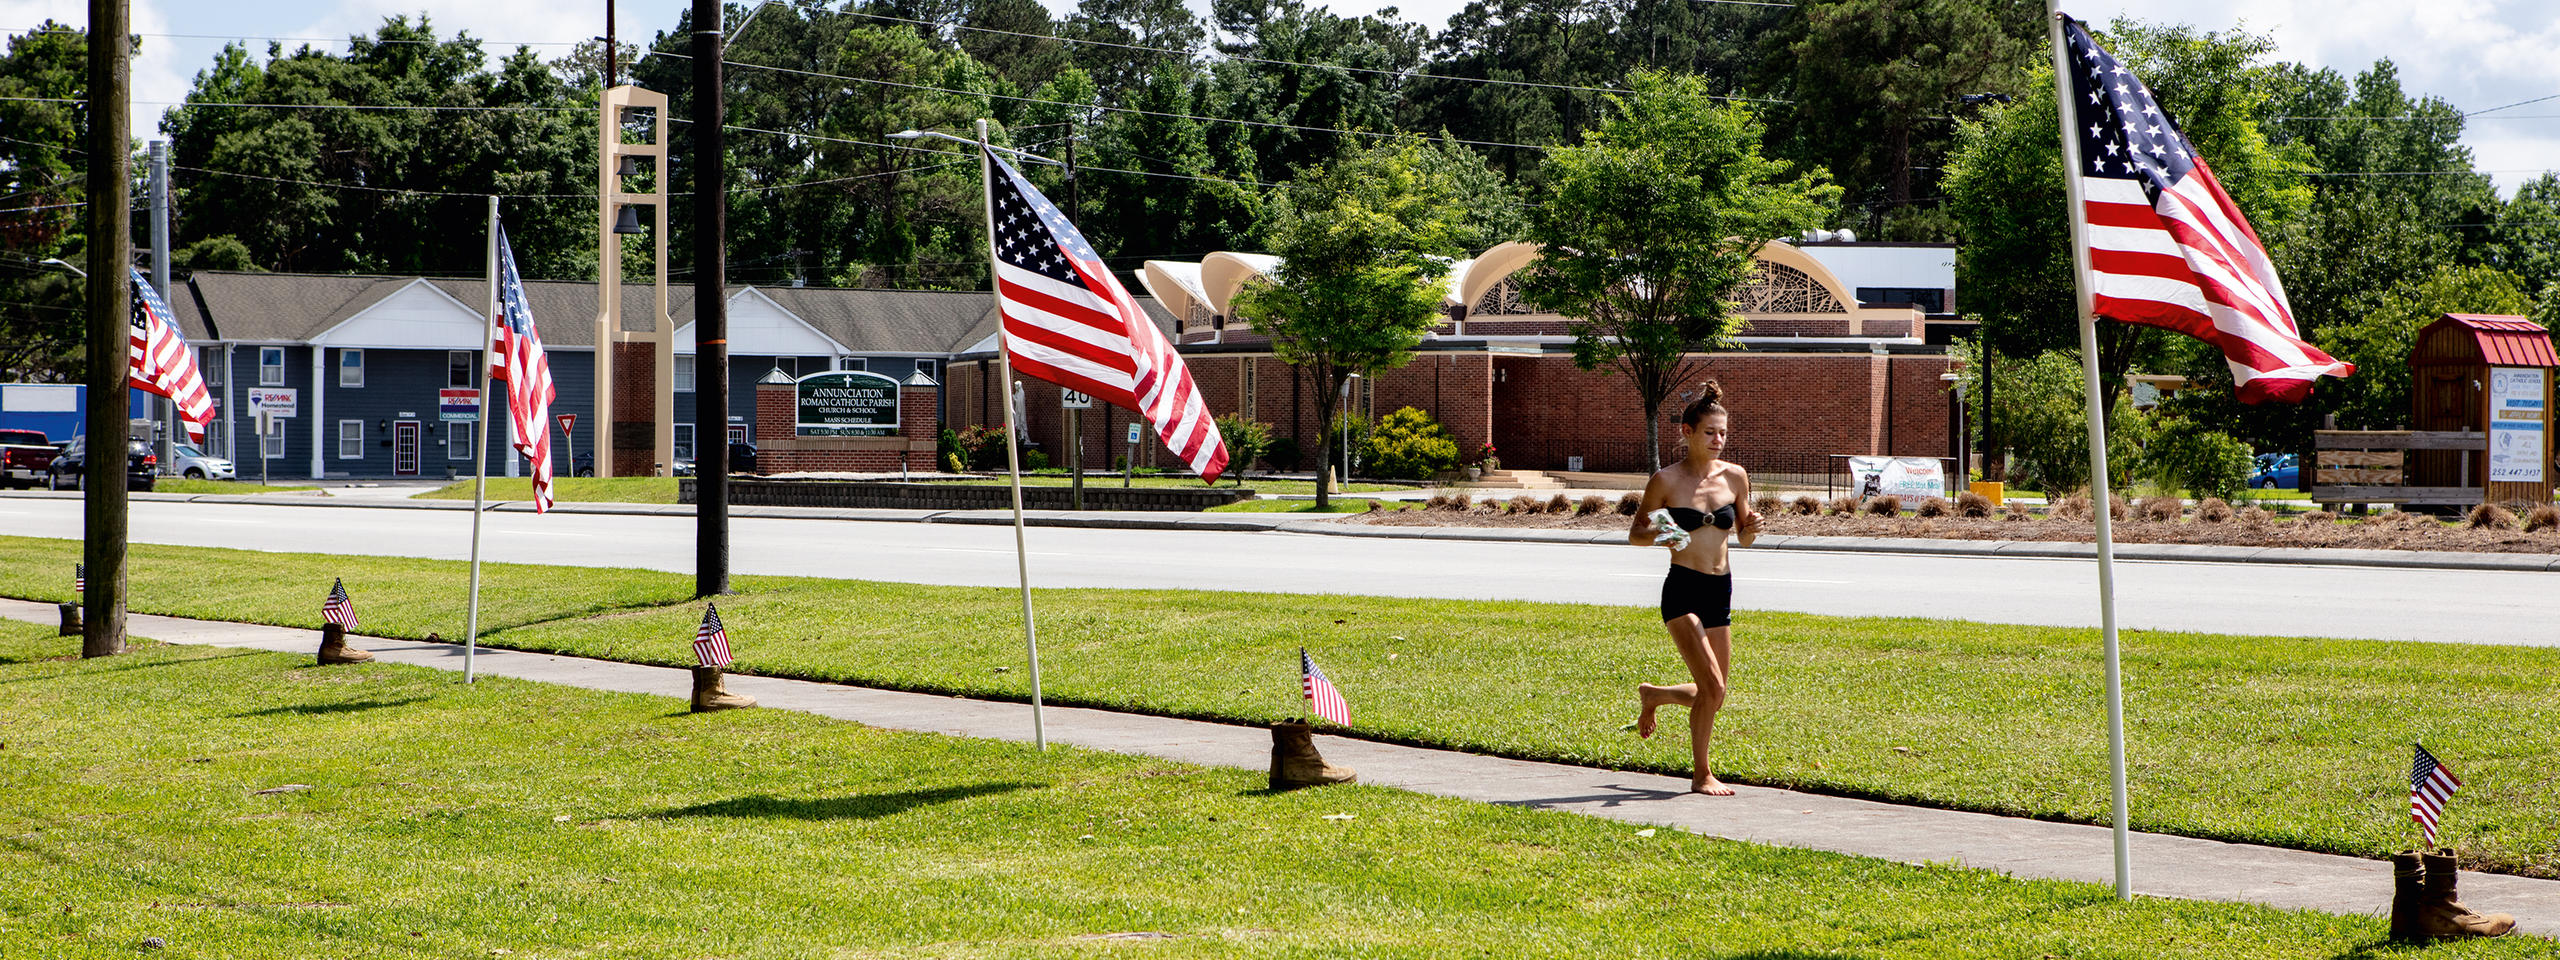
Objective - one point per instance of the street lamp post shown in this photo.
(1956, 446)
(1347, 383)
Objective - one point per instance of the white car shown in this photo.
(185, 460)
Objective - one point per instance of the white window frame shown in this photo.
(457, 439)
(468, 362)
(345, 438)
(271, 445)
(931, 369)
(738, 433)
(862, 364)
(271, 366)
(351, 361)
(684, 374)
(684, 441)
(208, 362)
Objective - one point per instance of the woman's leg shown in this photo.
(1707, 652)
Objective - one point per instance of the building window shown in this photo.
(209, 363)
(461, 369)
(738, 433)
(1928, 300)
(351, 368)
(271, 366)
(926, 367)
(272, 444)
(684, 374)
(457, 440)
(852, 363)
(684, 441)
(351, 439)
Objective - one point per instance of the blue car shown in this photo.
(2277, 471)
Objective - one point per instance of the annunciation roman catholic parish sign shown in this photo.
(847, 403)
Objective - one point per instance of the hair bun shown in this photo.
(1710, 392)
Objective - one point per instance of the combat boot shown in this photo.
(1295, 762)
(2408, 897)
(334, 649)
(711, 692)
(71, 625)
(2445, 918)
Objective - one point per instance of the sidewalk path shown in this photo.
(2163, 866)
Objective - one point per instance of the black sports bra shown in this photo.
(1689, 519)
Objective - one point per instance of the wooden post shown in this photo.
(102, 484)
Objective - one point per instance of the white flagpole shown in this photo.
(480, 457)
(1012, 455)
(2102, 503)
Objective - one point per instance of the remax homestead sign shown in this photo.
(847, 403)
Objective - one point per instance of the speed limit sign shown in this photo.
(1072, 400)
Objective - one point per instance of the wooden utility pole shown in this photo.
(110, 316)
(710, 309)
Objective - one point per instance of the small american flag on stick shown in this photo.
(711, 642)
(79, 578)
(1325, 700)
(2430, 784)
(339, 609)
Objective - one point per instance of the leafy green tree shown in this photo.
(2380, 342)
(1246, 439)
(41, 306)
(1364, 243)
(1291, 105)
(1653, 223)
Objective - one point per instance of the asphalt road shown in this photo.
(2252, 598)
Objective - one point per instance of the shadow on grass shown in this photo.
(136, 648)
(860, 807)
(320, 709)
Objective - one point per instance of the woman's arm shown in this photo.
(1641, 531)
(1747, 527)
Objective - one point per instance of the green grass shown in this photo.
(566, 490)
(184, 485)
(2297, 743)
(511, 818)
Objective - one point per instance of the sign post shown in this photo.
(266, 406)
(569, 439)
(1076, 404)
(1133, 455)
(264, 420)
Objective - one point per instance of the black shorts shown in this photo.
(1709, 595)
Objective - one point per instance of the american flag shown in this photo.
(1068, 321)
(711, 642)
(160, 361)
(1320, 692)
(2430, 784)
(2166, 246)
(339, 609)
(79, 578)
(516, 357)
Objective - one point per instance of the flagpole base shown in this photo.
(334, 649)
(711, 692)
(1295, 762)
(71, 625)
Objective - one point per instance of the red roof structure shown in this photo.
(2462, 339)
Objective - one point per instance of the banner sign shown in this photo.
(847, 403)
(1897, 476)
(458, 405)
(276, 401)
(2516, 424)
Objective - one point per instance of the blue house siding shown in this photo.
(296, 461)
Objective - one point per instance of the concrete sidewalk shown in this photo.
(2163, 866)
(1335, 527)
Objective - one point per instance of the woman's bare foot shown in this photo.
(1649, 696)
(1710, 786)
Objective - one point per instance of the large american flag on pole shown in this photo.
(2166, 246)
(516, 357)
(1326, 701)
(161, 363)
(2430, 784)
(1068, 321)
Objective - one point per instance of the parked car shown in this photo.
(70, 467)
(24, 456)
(2277, 471)
(186, 460)
(742, 459)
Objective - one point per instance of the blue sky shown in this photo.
(2478, 54)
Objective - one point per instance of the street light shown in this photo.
(64, 264)
(1955, 422)
(1346, 431)
(939, 135)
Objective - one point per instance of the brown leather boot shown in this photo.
(2408, 897)
(710, 692)
(334, 649)
(1295, 762)
(2442, 917)
(71, 626)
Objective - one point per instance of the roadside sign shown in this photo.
(568, 423)
(1133, 432)
(458, 405)
(284, 402)
(1074, 401)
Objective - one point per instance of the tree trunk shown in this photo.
(1329, 382)
(1653, 432)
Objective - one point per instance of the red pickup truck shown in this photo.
(24, 455)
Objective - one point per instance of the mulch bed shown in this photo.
(2385, 531)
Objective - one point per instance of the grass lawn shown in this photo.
(184, 485)
(511, 818)
(566, 489)
(2297, 743)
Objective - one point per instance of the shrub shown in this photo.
(1558, 504)
(1438, 501)
(1524, 503)
(1377, 505)
(1246, 439)
(1764, 504)
(2015, 510)
(1933, 508)
(2490, 516)
(1885, 506)
(1461, 502)
(1805, 505)
(2214, 510)
(1842, 507)
(2117, 509)
(1627, 504)
(2544, 517)
(2205, 462)
(946, 446)
(2163, 509)
(1409, 445)
(2254, 517)
(1972, 505)
(984, 445)
(2073, 507)
(1591, 504)
(952, 463)
(1034, 460)
(1283, 454)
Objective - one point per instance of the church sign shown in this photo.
(847, 403)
